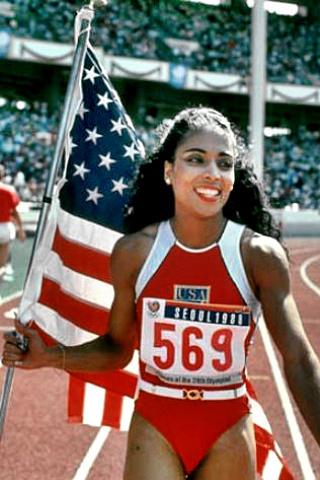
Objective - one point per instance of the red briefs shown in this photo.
(191, 426)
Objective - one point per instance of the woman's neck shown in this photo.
(200, 233)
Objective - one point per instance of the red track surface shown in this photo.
(38, 443)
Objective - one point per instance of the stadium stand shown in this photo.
(223, 36)
(26, 146)
(292, 172)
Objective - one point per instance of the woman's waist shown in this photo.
(177, 386)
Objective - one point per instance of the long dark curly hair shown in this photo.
(153, 200)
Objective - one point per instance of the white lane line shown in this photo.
(293, 426)
(8, 299)
(10, 314)
(304, 274)
(298, 251)
(91, 455)
(6, 329)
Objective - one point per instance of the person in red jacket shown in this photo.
(9, 217)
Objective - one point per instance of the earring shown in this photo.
(167, 180)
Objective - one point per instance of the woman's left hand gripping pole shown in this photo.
(22, 343)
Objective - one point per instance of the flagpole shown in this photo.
(76, 69)
(86, 15)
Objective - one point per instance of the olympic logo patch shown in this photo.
(153, 307)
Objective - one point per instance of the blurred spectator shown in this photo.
(9, 221)
(292, 169)
(26, 146)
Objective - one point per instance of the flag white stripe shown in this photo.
(126, 414)
(93, 405)
(87, 289)
(272, 468)
(58, 327)
(133, 366)
(87, 233)
(47, 262)
(259, 417)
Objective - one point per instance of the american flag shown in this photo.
(68, 291)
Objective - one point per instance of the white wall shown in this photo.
(300, 223)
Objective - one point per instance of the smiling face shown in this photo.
(202, 174)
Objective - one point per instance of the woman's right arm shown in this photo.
(109, 352)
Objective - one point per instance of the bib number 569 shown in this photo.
(192, 356)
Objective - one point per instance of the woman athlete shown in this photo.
(203, 257)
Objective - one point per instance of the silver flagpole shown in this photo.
(258, 84)
(86, 13)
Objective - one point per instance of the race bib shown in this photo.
(187, 343)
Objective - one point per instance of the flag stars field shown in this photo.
(104, 100)
(81, 170)
(70, 144)
(130, 151)
(118, 126)
(106, 161)
(93, 135)
(91, 75)
(82, 111)
(119, 186)
(94, 195)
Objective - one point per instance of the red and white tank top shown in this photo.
(196, 312)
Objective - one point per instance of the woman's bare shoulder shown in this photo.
(265, 262)
(131, 251)
(262, 248)
(138, 242)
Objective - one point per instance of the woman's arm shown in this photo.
(111, 351)
(270, 273)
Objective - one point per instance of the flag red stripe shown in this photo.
(48, 340)
(112, 410)
(81, 258)
(261, 457)
(88, 317)
(120, 382)
(112, 406)
(117, 381)
(286, 474)
(76, 400)
(265, 443)
(263, 437)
